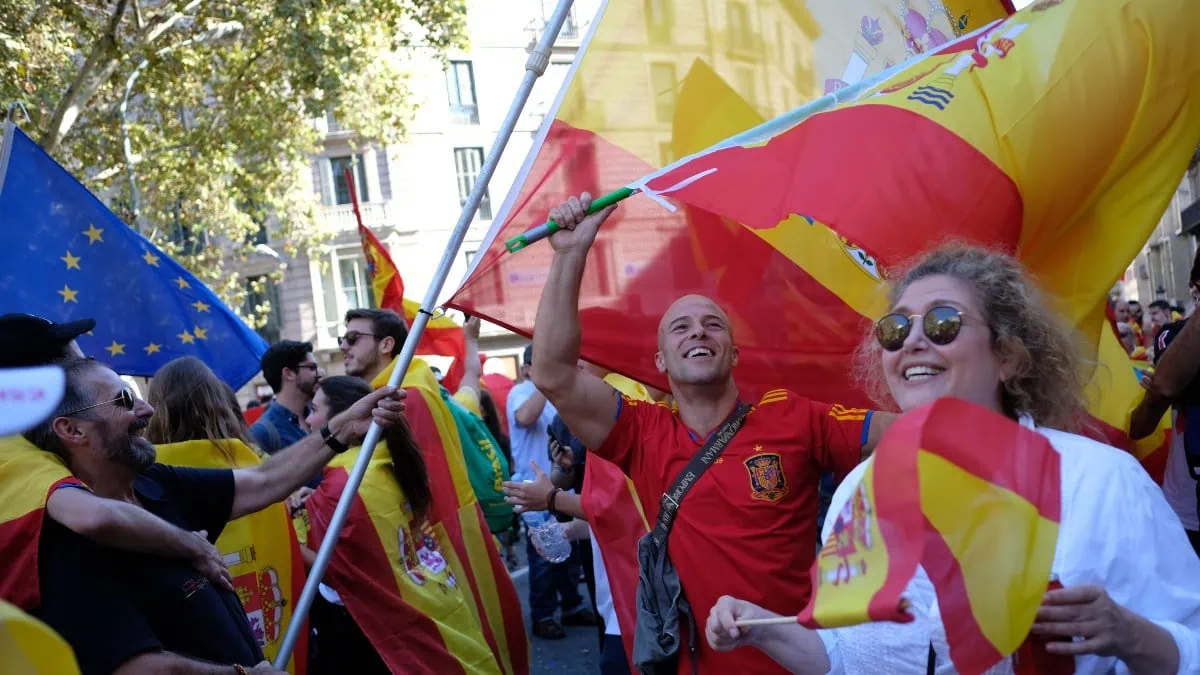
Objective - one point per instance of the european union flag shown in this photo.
(66, 256)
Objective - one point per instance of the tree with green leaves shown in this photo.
(220, 102)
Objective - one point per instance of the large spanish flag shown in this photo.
(27, 477)
(30, 647)
(462, 539)
(260, 550)
(970, 510)
(442, 337)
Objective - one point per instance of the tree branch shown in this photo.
(99, 66)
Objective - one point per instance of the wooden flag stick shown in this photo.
(774, 621)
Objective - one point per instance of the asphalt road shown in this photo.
(579, 652)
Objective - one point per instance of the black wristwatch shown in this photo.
(334, 444)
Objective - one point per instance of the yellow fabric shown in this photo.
(26, 474)
(628, 387)
(468, 398)
(257, 548)
(421, 378)
(30, 647)
(978, 520)
(442, 597)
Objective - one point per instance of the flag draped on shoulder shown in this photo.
(462, 535)
(66, 257)
(28, 475)
(30, 647)
(260, 549)
(442, 337)
(969, 511)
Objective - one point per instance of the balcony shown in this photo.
(464, 114)
(340, 218)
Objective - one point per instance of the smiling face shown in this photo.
(111, 429)
(967, 368)
(363, 358)
(695, 342)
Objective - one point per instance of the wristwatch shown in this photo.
(334, 444)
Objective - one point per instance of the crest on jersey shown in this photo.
(767, 482)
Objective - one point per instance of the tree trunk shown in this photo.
(101, 62)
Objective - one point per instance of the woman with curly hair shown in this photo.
(968, 323)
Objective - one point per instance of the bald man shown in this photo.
(749, 523)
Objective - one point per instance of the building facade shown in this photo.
(1162, 269)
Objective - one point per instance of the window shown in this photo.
(346, 286)
(739, 26)
(470, 257)
(570, 27)
(662, 83)
(467, 162)
(665, 155)
(341, 191)
(746, 85)
(262, 296)
(460, 87)
(658, 20)
(332, 124)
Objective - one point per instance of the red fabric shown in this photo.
(498, 386)
(19, 584)
(734, 537)
(645, 258)
(251, 416)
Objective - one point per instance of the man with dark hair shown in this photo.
(45, 482)
(126, 613)
(373, 338)
(292, 372)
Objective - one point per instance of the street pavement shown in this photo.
(578, 653)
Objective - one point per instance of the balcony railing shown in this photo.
(341, 218)
(464, 114)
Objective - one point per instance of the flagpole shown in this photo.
(534, 68)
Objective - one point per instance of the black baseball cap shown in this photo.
(28, 340)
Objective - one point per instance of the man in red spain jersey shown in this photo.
(749, 523)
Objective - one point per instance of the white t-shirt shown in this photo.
(531, 442)
(1116, 531)
(1178, 485)
(604, 601)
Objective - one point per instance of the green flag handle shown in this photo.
(550, 227)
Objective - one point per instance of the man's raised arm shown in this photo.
(586, 403)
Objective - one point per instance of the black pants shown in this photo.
(339, 646)
(1194, 537)
(612, 657)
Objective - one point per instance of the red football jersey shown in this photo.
(748, 527)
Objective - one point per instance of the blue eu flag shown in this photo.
(66, 257)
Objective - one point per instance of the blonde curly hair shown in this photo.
(1048, 381)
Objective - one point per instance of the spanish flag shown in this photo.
(260, 550)
(383, 587)
(30, 647)
(27, 477)
(971, 511)
(442, 337)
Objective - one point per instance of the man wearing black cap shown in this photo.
(33, 478)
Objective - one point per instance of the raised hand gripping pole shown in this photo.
(534, 68)
(550, 227)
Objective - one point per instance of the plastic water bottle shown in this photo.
(546, 535)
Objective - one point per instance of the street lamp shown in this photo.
(222, 32)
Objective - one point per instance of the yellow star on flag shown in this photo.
(68, 295)
(201, 306)
(93, 234)
(115, 348)
(152, 348)
(151, 259)
(187, 338)
(72, 261)
(182, 283)
(201, 333)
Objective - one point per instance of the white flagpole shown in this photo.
(534, 68)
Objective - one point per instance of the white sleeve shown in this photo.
(1147, 564)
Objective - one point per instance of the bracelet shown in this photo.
(334, 444)
(550, 500)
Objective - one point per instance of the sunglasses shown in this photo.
(941, 326)
(353, 337)
(125, 399)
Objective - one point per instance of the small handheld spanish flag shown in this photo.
(978, 512)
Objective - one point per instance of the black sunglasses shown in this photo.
(125, 399)
(353, 337)
(941, 326)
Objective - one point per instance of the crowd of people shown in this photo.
(148, 504)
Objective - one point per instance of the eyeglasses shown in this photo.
(125, 399)
(353, 337)
(313, 366)
(941, 326)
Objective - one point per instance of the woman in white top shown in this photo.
(967, 323)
